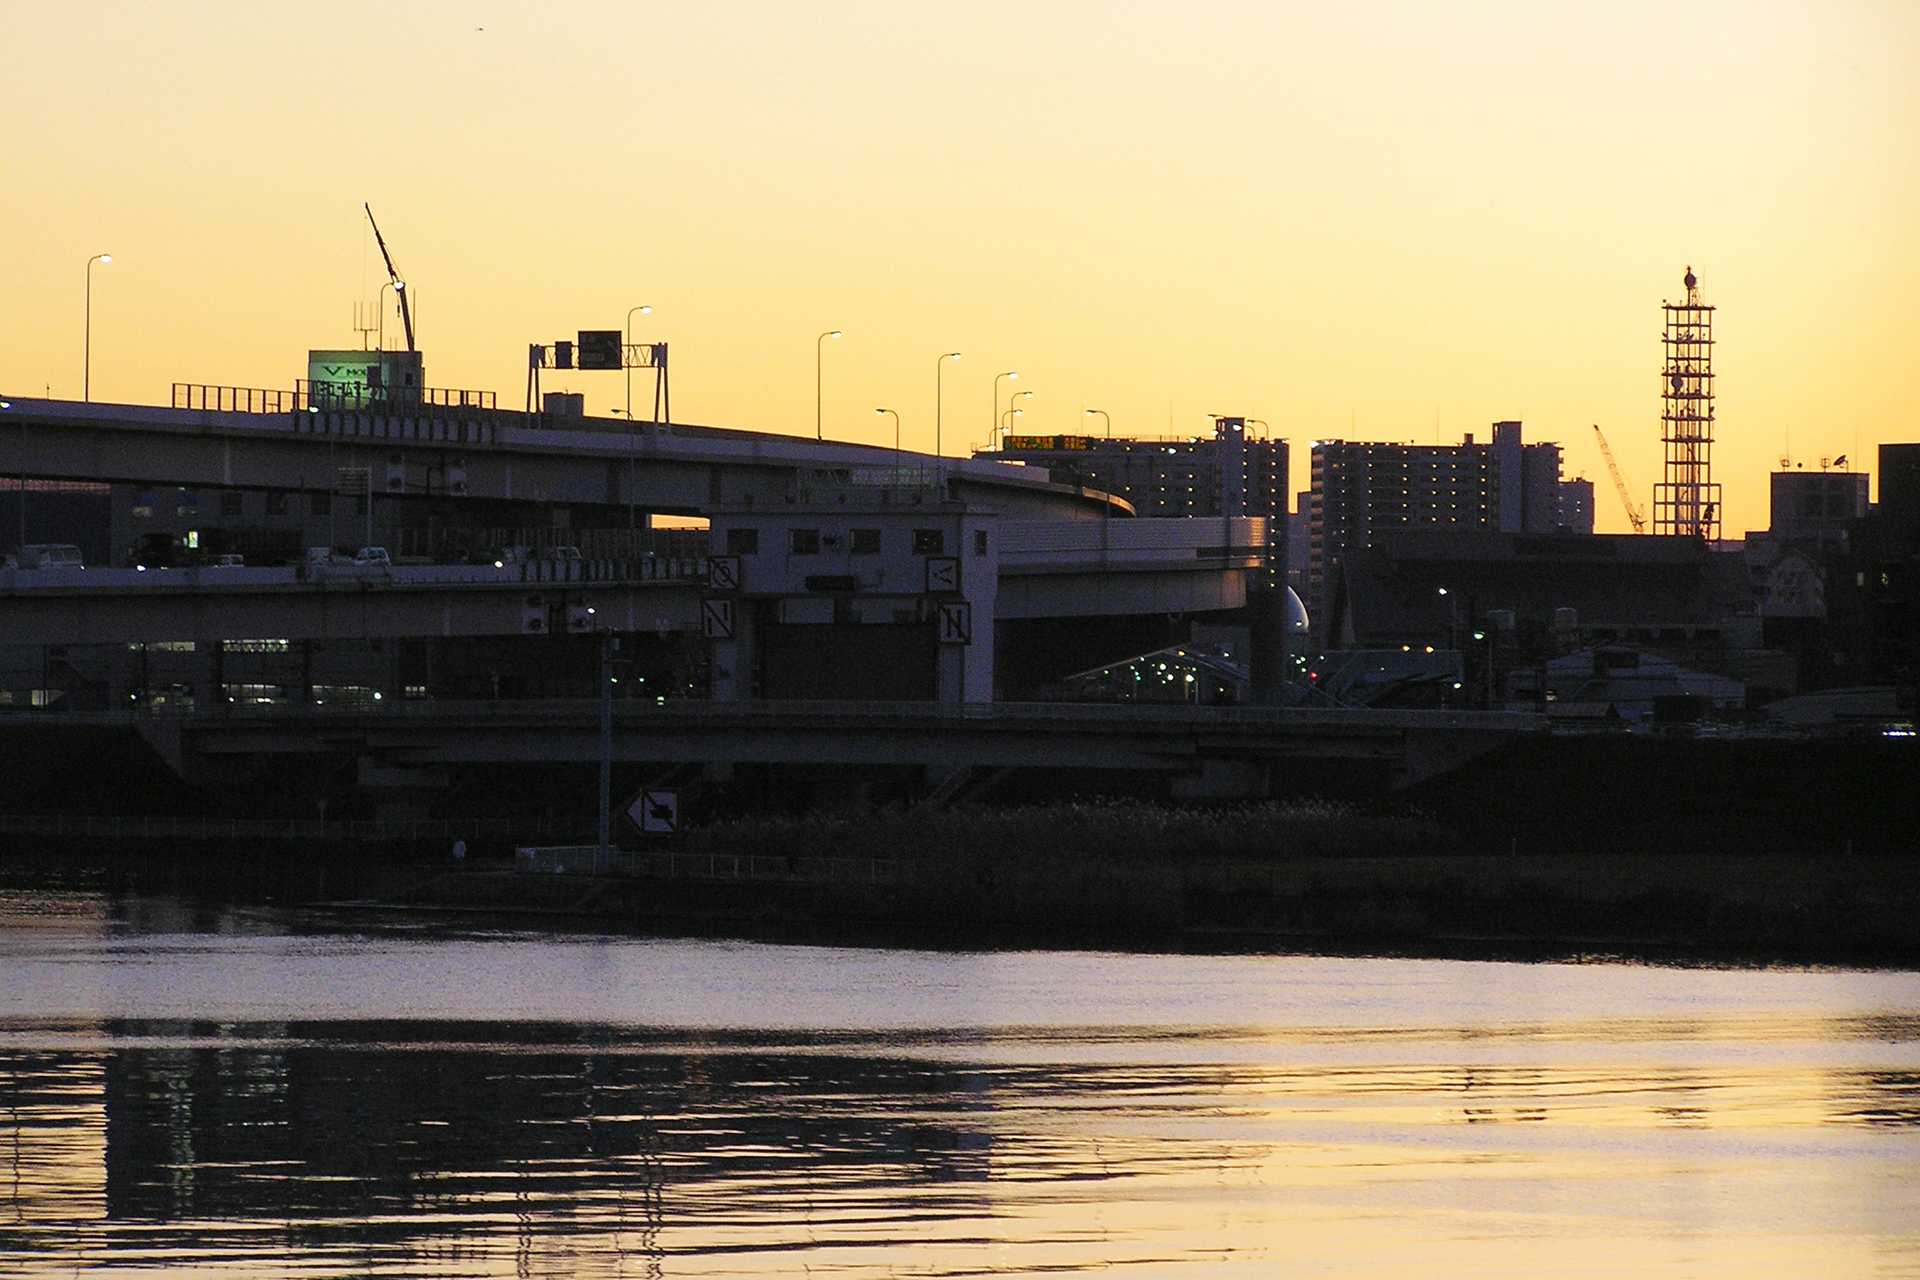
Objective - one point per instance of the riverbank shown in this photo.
(1312, 876)
(1305, 877)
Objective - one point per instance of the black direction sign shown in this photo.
(723, 573)
(716, 617)
(943, 574)
(956, 622)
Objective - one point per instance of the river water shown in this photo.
(252, 1093)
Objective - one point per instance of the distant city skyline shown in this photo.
(1402, 223)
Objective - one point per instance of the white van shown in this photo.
(50, 555)
(369, 557)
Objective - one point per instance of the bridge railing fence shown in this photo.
(112, 827)
(676, 864)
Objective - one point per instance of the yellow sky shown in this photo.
(1344, 219)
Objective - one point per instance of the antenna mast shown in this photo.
(1687, 503)
(393, 274)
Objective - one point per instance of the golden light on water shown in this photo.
(1397, 222)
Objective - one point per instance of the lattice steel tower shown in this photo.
(1687, 502)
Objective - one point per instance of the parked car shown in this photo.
(367, 557)
(227, 562)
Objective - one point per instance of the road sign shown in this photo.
(716, 617)
(956, 622)
(943, 574)
(723, 573)
(656, 812)
(601, 349)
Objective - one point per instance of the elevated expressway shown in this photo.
(493, 455)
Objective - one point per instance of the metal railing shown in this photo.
(194, 395)
(674, 864)
(325, 396)
(99, 827)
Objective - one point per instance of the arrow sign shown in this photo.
(656, 812)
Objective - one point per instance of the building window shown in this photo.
(322, 504)
(803, 542)
(743, 542)
(276, 503)
(866, 542)
(929, 542)
(232, 502)
(186, 503)
(143, 503)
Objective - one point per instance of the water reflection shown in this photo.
(1433, 1119)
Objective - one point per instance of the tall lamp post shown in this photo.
(1009, 376)
(86, 367)
(1013, 411)
(624, 365)
(1104, 417)
(819, 430)
(938, 389)
(896, 443)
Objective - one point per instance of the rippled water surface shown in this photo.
(258, 1094)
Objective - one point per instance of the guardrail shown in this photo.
(673, 864)
(194, 395)
(99, 827)
(324, 396)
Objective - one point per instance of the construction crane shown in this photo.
(1634, 515)
(399, 285)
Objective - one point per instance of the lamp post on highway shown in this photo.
(625, 365)
(86, 368)
(1009, 376)
(896, 443)
(819, 431)
(939, 367)
(1104, 416)
(1013, 411)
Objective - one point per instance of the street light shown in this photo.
(938, 367)
(1261, 423)
(1104, 417)
(625, 364)
(1006, 419)
(819, 431)
(896, 443)
(1010, 376)
(86, 368)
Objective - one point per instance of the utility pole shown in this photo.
(606, 746)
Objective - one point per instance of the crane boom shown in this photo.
(1634, 515)
(393, 274)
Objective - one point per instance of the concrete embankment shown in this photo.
(1288, 876)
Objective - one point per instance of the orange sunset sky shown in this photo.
(1352, 220)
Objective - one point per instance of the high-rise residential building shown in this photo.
(1227, 475)
(1362, 490)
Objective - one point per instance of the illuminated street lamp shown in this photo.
(938, 388)
(1006, 419)
(896, 442)
(86, 368)
(625, 364)
(1104, 416)
(1010, 376)
(819, 431)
